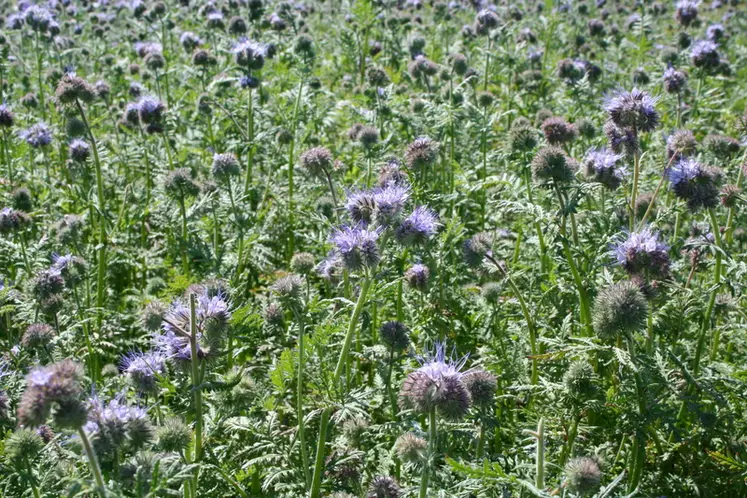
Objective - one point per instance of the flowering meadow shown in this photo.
(373, 248)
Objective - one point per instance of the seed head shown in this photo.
(411, 448)
(553, 164)
(179, 184)
(395, 335)
(635, 109)
(558, 131)
(225, 166)
(174, 435)
(482, 386)
(619, 310)
(318, 161)
(417, 277)
(583, 475)
(580, 381)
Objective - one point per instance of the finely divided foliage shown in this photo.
(373, 248)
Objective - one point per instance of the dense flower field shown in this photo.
(373, 248)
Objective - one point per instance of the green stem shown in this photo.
(539, 481)
(185, 235)
(299, 397)
(101, 259)
(195, 361)
(432, 449)
(93, 462)
(250, 152)
(634, 193)
(341, 362)
(705, 325)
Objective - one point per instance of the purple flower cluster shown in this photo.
(603, 167)
(642, 253)
(438, 384)
(143, 369)
(635, 109)
(38, 135)
(695, 183)
(357, 247)
(417, 228)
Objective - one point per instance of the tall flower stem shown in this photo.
(195, 360)
(185, 235)
(93, 462)
(299, 396)
(584, 311)
(291, 150)
(432, 450)
(250, 152)
(706, 324)
(539, 475)
(101, 259)
(527, 316)
(341, 362)
(634, 193)
(656, 193)
(729, 230)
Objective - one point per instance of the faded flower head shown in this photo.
(417, 228)
(411, 448)
(695, 183)
(643, 253)
(37, 135)
(421, 153)
(583, 475)
(635, 109)
(357, 247)
(558, 131)
(318, 161)
(438, 383)
(553, 164)
(144, 369)
(619, 310)
(681, 142)
(603, 167)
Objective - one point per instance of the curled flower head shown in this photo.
(361, 206)
(643, 253)
(150, 110)
(249, 54)
(635, 109)
(603, 167)
(357, 247)
(704, 54)
(438, 383)
(622, 140)
(686, 12)
(115, 424)
(143, 369)
(674, 80)
(37, 136)
(695, 183)
(390, 200)
(417, 228)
